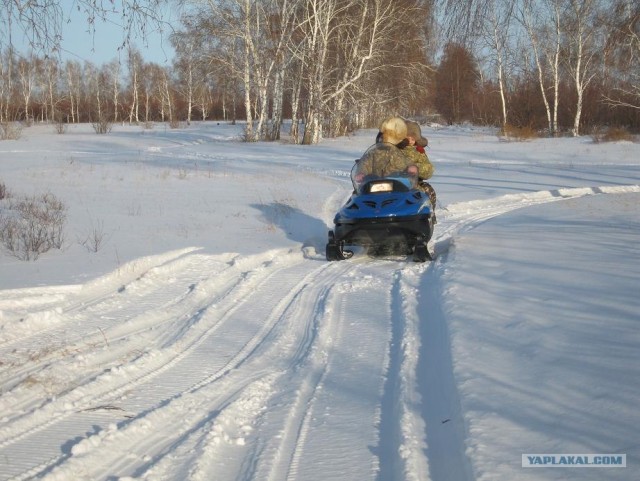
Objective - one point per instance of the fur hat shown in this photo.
(393, 130)
(413, 130)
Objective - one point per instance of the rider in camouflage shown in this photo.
(387, 156)
(415, 151)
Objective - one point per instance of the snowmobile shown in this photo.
(387, 211)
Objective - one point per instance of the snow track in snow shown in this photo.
(273, 366)
(431, 383)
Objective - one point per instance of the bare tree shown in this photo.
(335, 65)
(623, 46)
(112, 74)
(541, 21)
(150, 81)
(27, 73)
(463, 21)
(248, 39)
(135, 64)
(185, 66)
(99, 82)
(347, 43)
(582, 49)
(203, 96)
(296, 93)
(51, 88)
(496, 31)
(166, 95)
(73, 73)
(365, 35)
(319, 19)
(6, 83)
(273, 23)
(226, 28)
(456, 81)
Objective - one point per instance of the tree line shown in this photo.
(332, 66)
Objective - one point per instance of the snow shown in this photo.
(206, 337)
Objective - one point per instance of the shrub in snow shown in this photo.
(612, 134)
(102, 126)
(10, 131)
(519, 133)
(31, 226)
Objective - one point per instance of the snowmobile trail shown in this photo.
(204, 378)
(98, 333)
(431, 381)
(465, 215)
(183, 328)
(272, 366)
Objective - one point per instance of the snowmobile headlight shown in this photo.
(382, 187)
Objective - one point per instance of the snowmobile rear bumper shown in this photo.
(382, 230)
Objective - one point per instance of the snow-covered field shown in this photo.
(208, 338)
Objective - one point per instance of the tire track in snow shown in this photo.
(53, 305)
(332, 424)
(101, 391)
(465, 215)
(296, 455)
(244, 381)
(297, 355)
(314, 372)
(218, 391)
(137, 317)
(105, 321)
(221, 415)
(428, 398)
(296, 429)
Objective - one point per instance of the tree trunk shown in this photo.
(249, 135)
(278, 95)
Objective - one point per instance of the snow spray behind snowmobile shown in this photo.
(387, 212)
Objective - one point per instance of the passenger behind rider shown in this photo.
(415, 151)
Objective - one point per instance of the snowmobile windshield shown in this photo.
(383, 161)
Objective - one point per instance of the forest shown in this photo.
(329, 67)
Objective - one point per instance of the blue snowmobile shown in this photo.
(387, 213)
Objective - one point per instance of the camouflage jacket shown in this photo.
(382, 159)
(425, 167)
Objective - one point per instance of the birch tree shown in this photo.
(496, 31)
(6, 83)
(365, 34)
(203, 97)
(73, 73)
(582, 52)
(166, 95)
(623, 43)
(185, 66)
(225, 28)
(318, 21)
(500, 29)
(112, 73)
(249, 38)
(273, 25)
(151, 90)
(135, 64)
(541, 21)
(51, 88)
(27, 75)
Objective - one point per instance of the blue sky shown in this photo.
(79, 44)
